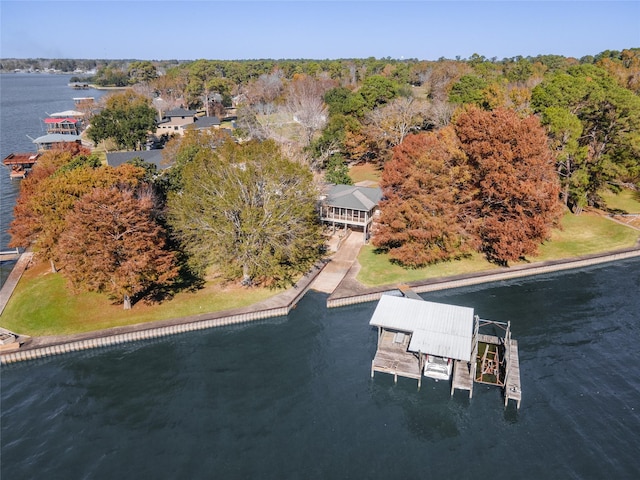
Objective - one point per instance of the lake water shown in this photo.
(25, 101)
(292, 398)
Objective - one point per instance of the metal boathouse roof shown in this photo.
(436, 328)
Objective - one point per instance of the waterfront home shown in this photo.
(64, 126)
(350, 206)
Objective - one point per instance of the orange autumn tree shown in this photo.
(112, 243)
(488, 183)
(426, 206)
(517, 190)
(41, 207)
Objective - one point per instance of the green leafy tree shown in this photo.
(378, 90)
(468, 90)
(520, 71)
(127, 119)
(142, 71)
(610, 118)
(337, 171)
(564, 130)
(108, 76)
(248, 212)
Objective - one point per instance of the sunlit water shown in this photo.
(293, 398)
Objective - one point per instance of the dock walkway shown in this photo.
(13, 279)
(393, 358)
(512, 389)
(462, 377)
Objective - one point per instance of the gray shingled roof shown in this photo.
(353, 197)
(152, 156)
(204, 122)
(180, 112)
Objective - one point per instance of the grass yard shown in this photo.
(627, 201)
(581, 235)
(365, 172)
(41, 304)
(57, 312)
(376, 269)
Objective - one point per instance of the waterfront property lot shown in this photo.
(43, 305)
(585, 234)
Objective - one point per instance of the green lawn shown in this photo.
(365, 172)
(627, 201)
(581, 235)
(41, 305)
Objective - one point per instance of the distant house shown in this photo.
(49, 141)
(64, 126)
(176, 122)
(350, 206)
(116, 159)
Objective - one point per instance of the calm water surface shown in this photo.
(25, 101)
(292, 398)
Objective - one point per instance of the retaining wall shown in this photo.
(108, 338)
(463, 281)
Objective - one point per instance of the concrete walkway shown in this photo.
(339, 265)
(336, 277)
(13, 279)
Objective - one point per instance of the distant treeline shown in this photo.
(244, 70)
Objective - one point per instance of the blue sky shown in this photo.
(228, 30)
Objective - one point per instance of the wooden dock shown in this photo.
(462, 377)
(512, 389)
(393, 358)
(10, 255)
(495, 362)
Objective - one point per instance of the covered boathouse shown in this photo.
(412, 330)
(20, 164)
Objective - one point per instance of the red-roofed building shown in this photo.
(64, 126)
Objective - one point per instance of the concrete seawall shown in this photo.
(348, 292)
(344, 295)
(278, 306)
